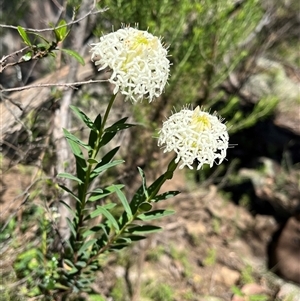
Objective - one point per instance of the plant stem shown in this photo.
(95, 151)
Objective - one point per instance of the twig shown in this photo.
(70, 85)
(5, 57)
(57, 27)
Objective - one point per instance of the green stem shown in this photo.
(95, 151)
(158, 184)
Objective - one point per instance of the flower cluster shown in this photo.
(138, 61)
(195, 135)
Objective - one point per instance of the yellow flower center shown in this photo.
(139, 46)
(200, 122)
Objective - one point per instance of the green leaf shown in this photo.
(155, 214)
(145, 207)
(70, 192)
(75, 55)
(24, 36)
(138, 198)
(118, 127)
(144, 229)
(99, 196)
(118, 247)
(94, 230)
(82, 116)
(42, 47)
(99, 169)
(164, 196)
(136, 237)
(101, 210)
(124, 201)
(68, 207)
(97, 190)
(108, 157)
(92, 161)
(80, 264)
(106, 191)
(27, 56)
(107, 137)
(94, 133)
(111, 131)
(144, 185)
(73, 138)
(71, 226)
(60, 33)
(69, 176)
(156, 185)
(69, 266)
(86, 246)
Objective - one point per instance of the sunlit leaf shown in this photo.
(80, 264)
(60, 33)
(92, 161)
(165, 195)
(101, 210)
(75, 55)
(82, 116)
(24, 36)
(124, 201)
(144, 185)
(73, 138)
(69, 176)
(27, 56)
(155, 214)
(99, 169)
(71, 226)
(86, 245)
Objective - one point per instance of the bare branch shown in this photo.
(57, 27)
(67, 85)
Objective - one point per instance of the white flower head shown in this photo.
(195, 135)
(138, 61)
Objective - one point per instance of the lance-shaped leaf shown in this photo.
(96, 229)
(71, 227)
(99, 169)
(82, 116)
(124, 201)
(60, 33)
(105, 160)
(144, 229)
(111, 131)
(24, 36)
(86, 245)
(144, 185)
(69, 266)
(155, 214)
(102, 210)
(156, 185)
(95, 132)
(70, 192)
(73, 138)
(119, 125)
(69, 176)
(103, 193)
(164, 196)
(75, 55)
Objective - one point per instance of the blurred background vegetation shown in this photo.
(240, 58)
